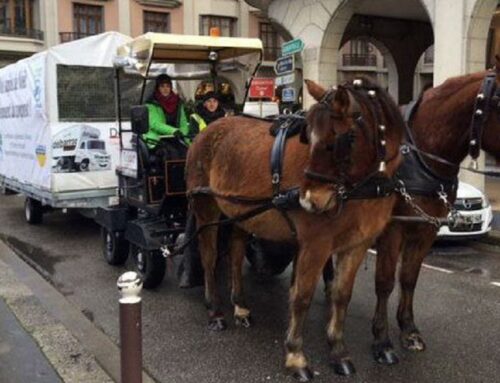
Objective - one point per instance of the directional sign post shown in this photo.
(285, 79)
(291, 47)
(284, 65)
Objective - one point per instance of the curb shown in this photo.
(76, 348)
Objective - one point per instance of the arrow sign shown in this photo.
(284, 65)
(286, 79)
(291, 47)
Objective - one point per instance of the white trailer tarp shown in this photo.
(39, 149)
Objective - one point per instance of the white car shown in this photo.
(475, 214)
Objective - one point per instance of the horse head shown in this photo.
(344, 140)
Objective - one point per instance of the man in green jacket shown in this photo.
(167, 116)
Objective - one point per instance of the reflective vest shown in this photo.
(200, 121)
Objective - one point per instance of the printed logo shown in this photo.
(41, 155)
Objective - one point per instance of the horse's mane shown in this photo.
(452, 86)
(386, 105)
(389, 108)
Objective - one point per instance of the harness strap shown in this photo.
(277, 154)
(480, 114)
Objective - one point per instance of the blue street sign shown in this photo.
(284, 65)
(291, 47)
(288, 95)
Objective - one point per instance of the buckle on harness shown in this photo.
(404, 149)
(275, 179)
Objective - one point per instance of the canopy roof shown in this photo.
(170, 48)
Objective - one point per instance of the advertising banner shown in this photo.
(24, 129)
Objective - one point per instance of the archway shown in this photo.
(368, 57)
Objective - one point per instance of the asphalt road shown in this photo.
(457, 309)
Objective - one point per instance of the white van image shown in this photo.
(79, 148)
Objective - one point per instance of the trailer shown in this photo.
(59, 145)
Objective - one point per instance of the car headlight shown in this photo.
(485, 202)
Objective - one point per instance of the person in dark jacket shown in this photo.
(190, 272)
(207, 111)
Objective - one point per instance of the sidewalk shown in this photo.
(17, 347)
(35, 347)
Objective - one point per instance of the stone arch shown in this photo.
(477, 34)
(389, 59)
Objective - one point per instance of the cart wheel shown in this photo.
(150, 264)
(269, 258)
(84, 165)
(33, 211)
(114, 247)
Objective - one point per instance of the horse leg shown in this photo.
(206, 210)
(345, 274)
(307, 271)
(237, 255)
(328, 274)
(413, 256)
(388, 250)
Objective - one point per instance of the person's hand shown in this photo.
(178, 134)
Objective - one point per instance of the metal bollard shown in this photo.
(130, 285)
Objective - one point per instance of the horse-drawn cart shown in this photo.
(152, 208)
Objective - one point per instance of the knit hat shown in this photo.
(163, 79)
(210, 95)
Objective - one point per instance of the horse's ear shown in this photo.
(342, 101)
(315, 90)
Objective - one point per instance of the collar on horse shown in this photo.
(418, 177)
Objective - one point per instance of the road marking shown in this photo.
(497, 284)
(437, 269)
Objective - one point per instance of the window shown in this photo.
(360, 54)
(156, 22)
(4, 14)
(87, 19)
(225, 24)
(16, 16)
(270, 40)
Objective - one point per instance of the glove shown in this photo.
(178, 134)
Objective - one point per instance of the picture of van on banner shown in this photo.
(79, 149)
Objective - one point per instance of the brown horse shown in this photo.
(441, 126)
(231, 158)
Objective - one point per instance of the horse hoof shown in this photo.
(217, 324)
(244, 322)
(413, 342)
(303, 374)
(385, 355)
(343, 367)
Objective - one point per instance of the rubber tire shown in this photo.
(84, 166)
(33, 211)
(269, 258)
(153, 268)
(115, 248)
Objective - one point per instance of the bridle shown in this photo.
(345, 140)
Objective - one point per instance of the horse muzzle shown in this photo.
(318, 201)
